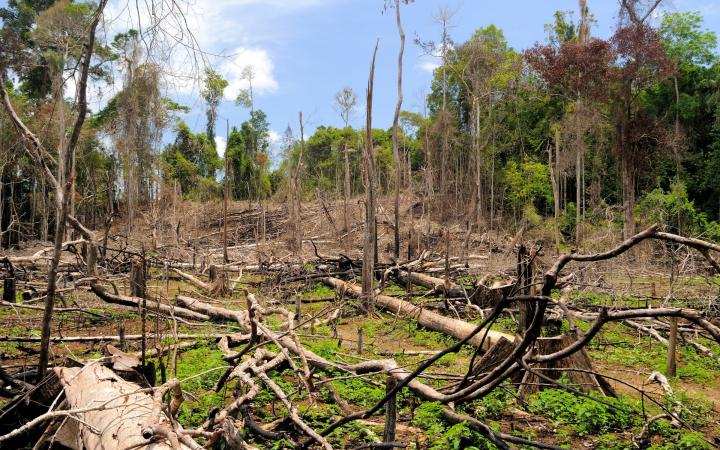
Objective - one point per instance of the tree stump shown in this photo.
(577, 367)
(219, 281)
(137, 278)
(9, 289)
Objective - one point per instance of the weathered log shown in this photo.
(120, 409)
(151, 305)
(450, 289)
(194, 280)
(456, 328)
(128, 337)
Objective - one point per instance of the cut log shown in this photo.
(121, 410)
(494, 356)
(458, 329)
(151, 305)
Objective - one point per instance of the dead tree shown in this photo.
(295, 195)
(370, 243)
(395, 131)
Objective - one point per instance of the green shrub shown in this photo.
(491, 406)
(586, 415)
(677, 211)
(685, 440)
(428, 416)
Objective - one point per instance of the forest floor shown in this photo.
(626, 357)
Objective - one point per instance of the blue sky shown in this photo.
(304, 51)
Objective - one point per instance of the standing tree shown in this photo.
(345, 101)
(212, 93)
(641, 62)
(578, 72)
(295, 194)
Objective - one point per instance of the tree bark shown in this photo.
(395, 132)
(369, 255)
(117, 407)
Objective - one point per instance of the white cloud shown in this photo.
(220, 145)
(428, 66)
(232, 69)
(275, 137)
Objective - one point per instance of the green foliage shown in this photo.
(685, 41)
(431, 339)
(492, 406)
(611, 441)
(587, 416)
(441, 436)
(683, 439)
(562, 29)
(359, 392)
(677, 211)
(319, 290)
(191, 363)
(212, 93)
(191, 161)
(528, 183)
(248, 159)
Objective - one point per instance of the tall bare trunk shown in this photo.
(628, 184)
(578, 174)
(552, 165)
(226, 194)
(370, 209)
(395, 132)
(346, 190)
(297, 191)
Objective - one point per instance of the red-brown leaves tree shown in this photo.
(577, 71)
(641, 61)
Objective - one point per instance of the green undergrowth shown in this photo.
(610, 422)
(585, 415)
(617, 346)
(317, 291)
(195, 370)
(442, 435)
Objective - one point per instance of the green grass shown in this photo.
(191, 363)
(318, 290)
(628, 350)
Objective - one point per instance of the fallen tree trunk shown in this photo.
(450, 289)
(453, 327)
(129, 337)
(194, 280)
(119, 409)
(149, 304)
